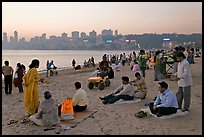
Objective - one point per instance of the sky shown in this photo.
(31, 19)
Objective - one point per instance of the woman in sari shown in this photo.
(31, 96)
(18, 77)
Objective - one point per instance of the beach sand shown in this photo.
(112, 119)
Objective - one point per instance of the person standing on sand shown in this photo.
(73, 63)
(184, 82)
(142, 62)
(18, 78)
(7, 71)
(47, 72)
(31, 95)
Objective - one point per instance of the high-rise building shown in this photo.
(15, 36)
(64, 36)
(11, 39)
(83, 35)
(107, 35)
(116, 32)
(92, 34)
(107, 32)
(44, 36)
(5, 39)
(75, 35)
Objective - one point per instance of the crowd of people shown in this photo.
(166, 101)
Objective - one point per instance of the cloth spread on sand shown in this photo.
(31, 96)
(121, 101)
(35, 120)
(178, 113)
(78, 118)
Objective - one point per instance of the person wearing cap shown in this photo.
(48, 110)
(184, 79)
(165, 103)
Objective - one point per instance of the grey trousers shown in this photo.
(184, 93)
(175, 67)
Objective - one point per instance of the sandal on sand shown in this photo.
(141, 114)
(49, 128)
(12, 122)
(25, 121)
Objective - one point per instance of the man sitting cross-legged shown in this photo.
(125, 91)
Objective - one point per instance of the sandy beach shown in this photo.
(111, 119)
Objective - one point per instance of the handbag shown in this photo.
(67, 111)
(16, 82)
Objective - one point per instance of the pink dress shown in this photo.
(136, 67)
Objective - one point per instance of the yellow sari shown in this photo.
(31, 96)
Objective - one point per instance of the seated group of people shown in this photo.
(100, 73)
(50, 110)
(165, 103)
(127, 91)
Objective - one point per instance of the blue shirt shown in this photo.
(166, 99)
(50, 65)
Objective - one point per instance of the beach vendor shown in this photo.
(184, 78)
(125, 92)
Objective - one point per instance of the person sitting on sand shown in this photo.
(95, 73)
(140, 86)
(125, 92)
(48, 110)
(110, 73)
(165, 103)
(136, 67)
(80, 99)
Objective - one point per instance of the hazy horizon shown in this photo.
(31, 19)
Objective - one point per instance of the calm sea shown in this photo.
(61, 58)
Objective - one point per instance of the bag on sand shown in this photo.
(16, 82)
(67, 111)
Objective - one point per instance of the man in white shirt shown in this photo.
(125, 92)
(80, 99)
(184, 82)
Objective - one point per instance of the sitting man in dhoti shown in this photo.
(48, 110)
(140, 86)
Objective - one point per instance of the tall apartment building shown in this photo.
(15, 36)
(75, 35)
(5, 38)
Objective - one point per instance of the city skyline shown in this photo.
(32, 19)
